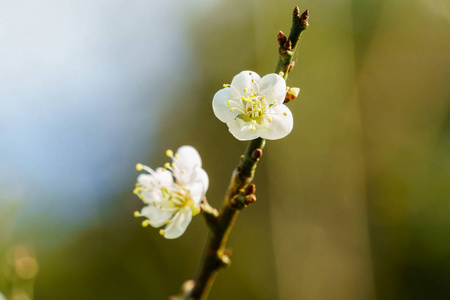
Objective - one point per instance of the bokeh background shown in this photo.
(353, 204)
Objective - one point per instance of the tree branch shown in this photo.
(240, 192)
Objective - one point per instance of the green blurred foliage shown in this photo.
(353, 204)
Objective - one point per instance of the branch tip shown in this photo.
(296, 11)
(304, 18)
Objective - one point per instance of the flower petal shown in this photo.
(243, 81)
(159, 178)
(152, 196)
(186, 161)
(240, 129)
(164, 176)
(156, 216)
(178, 224)
(273, 86)
(221, 107)
(199, 186)
(281, 125)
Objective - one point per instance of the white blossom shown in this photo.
(172, 194)
(253, 107)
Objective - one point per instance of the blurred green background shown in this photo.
(353, 204)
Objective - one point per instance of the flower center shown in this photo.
(177, 197)
(255, 105)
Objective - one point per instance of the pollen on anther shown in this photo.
(284, 114)
(169, 153)
(167, 222)
(281, 74)
(145, 223)
(225, 85)
(139, 167)
(231, 110)
(252, 129)
(161, 231)
(270, 120)
(167, 165)
(245, 90)
(253, 80)
(137, 214)
(229, 102)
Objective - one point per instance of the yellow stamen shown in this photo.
(169, 153)
(137, 214)
(161, 231)
(167, 165)
(139, 167)
(281, 74)
(145, 223)
(245, 90)
(229, 102)
(167, 222)
(270, 120)
(284, 114)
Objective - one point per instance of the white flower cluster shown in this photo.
(252, 107)
(172, 194)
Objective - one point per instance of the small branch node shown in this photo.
(288, 45)
(281, 38)
(257, 153)
(225, 261)
(250, 189)
(242, 200)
